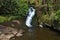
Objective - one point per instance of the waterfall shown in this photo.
(31, 13)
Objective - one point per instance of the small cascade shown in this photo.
(31, 13)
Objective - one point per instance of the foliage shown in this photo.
(12, 9)
(23, 7)
(57, 16)
(3, 19)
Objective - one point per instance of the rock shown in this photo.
(16, 21)
(41, 26)
(6, 37)
(8, 32)
(20, 32)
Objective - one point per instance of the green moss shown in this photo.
(3, 19)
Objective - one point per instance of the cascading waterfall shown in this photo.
(31, 13)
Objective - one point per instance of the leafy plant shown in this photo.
(12, 9)
(3, 19)
(57, 16)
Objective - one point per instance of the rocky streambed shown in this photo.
(10, 29)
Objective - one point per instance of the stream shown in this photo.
(37, 33)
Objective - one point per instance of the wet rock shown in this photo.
(20, 33)
(6, 37)
(16, 21)
(7, 32)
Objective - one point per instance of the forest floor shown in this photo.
(17, 30)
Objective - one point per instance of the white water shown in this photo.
(30, 16)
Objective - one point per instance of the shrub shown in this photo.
(57, 16)
(3, 19)
(12, 9)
